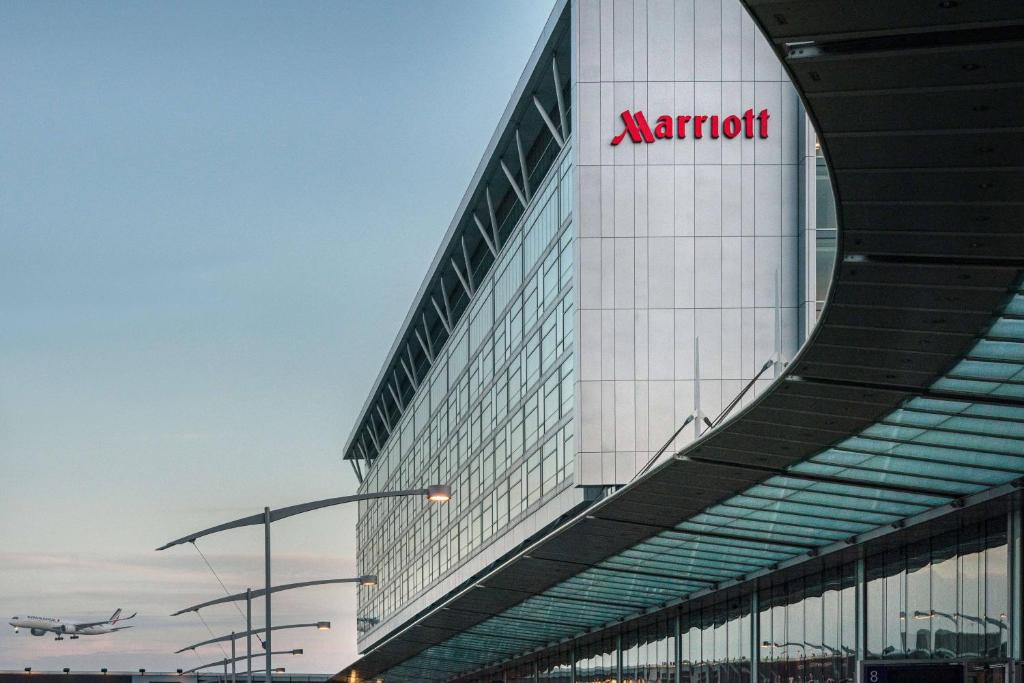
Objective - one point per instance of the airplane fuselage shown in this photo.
(39, 626)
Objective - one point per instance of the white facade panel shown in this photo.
(699, 236)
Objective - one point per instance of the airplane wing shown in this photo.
(113, 620)
(120, 628)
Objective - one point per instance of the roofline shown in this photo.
(460, 212)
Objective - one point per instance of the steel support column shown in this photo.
(860, 615)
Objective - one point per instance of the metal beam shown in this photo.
(408, 373)
(487, 238)
(465, 283)
(441, 314)
(221, 662)
(426, 333)
(494, 220)
(560, 98)
(366, 448)
(398, 401)
(447, 302)
(383, 417)
(825, 479)
(512, 181)
(374, 436)
(548, 122)
(423, 345)
(291, 510)
(236, 635)
(469, 265)
(522, 165)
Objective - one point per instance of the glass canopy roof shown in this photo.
(926, 453)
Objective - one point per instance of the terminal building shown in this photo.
(723, 357)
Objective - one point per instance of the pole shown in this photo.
(266, 574)
(233, 657)
(248, 634)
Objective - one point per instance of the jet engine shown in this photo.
(68, 628)
(37, 632)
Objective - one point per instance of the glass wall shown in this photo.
(808, 629)
(715, 642)
(825, 223)
(492, 416)
(649, 654)
(941, 598)
(598, 662)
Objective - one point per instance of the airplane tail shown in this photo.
(116, 617)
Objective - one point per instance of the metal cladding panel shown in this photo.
(914, 362)
(528, 575)
(591, 540)
(793, 20)
(487, 600)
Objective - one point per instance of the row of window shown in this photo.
(942, 598)
(491, 418)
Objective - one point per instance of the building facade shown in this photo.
(642, 255)
(656, 239)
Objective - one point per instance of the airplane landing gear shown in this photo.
(74, 637)
(59, 638)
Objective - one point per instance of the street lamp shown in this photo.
(435, 493)
(225, 662)
(321, 626)
(248, 595)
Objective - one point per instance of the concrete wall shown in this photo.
(681, 238)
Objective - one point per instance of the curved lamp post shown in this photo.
(225, 662)
(248, 595)
(318, 625)
(436, 493)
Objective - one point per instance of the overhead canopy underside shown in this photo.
(909, 395)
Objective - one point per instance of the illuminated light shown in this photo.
(323, 626)
(439, 493)
(368, 580)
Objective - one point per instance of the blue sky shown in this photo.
(213, 217)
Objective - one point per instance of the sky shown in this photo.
(213, 219)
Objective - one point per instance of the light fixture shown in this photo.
(279, 670)
(439, 493)
(368, 580)
(297, 652)
(323, 626)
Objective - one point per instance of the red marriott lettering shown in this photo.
(713, 126)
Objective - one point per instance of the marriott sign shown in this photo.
(713, 126)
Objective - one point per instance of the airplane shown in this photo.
(40, 626)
